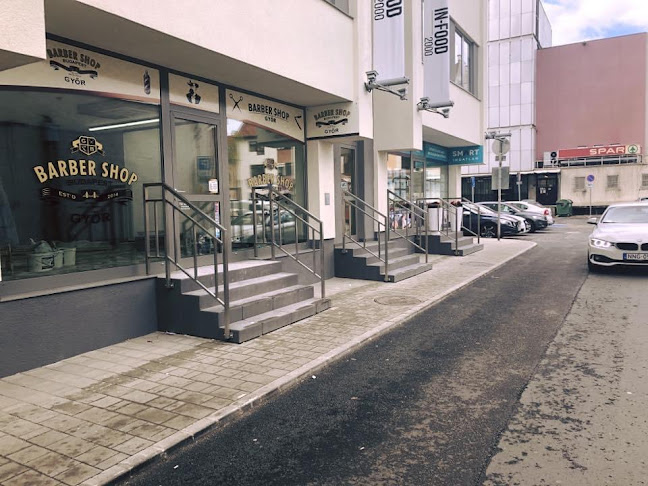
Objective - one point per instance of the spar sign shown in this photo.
(601, 151)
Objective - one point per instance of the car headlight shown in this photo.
(510, 223)
(600, 243)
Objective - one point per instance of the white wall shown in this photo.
(629, 184)
(22, 32)
(306, 40)
(321, 181)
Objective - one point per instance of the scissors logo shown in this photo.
(236, 103)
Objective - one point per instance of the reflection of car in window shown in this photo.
(243, 228)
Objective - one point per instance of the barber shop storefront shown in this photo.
(82, 133)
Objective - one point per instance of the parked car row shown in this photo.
(516, 217)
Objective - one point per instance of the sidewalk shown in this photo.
(92, 418)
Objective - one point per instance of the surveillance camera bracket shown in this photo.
(385, 84)
(442, 109)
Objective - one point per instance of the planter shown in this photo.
(434, 218)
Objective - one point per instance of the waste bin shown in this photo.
(564, 207)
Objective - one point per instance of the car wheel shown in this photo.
(532, 226)
(488, 231)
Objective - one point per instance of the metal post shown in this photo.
(590, 201)
(499, 199)
(272, 234)
(226, 297)
(321, 229)
(254, 221)
(147, 242)
(386, 246)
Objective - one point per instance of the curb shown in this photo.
(295, 377)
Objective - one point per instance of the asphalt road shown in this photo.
(424, 404)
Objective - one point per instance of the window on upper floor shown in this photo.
(579, 183)
(463, 61)
(340, 4)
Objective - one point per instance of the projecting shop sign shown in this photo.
(389, 38)
(436, 51)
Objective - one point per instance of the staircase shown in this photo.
(357, 261)
(447, 244)
(262, 299)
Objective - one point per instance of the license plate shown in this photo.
(635, 256)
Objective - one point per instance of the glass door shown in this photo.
(196, 176)
(348, 183)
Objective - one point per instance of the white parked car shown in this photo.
(535, 207)
(620, 236)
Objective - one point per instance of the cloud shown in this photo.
(579, 20)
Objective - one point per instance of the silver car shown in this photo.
(620, 236)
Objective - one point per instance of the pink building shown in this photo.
(591, 115)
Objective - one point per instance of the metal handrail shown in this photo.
(444, 226)
(417, 213)
(217, 233)
(478, 234)
(350, 199)
(312, 222)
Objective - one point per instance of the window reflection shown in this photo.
(71, 173)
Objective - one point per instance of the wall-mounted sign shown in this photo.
(389, 38)
(186, 91)
(277, 117)
(436, 51)
(437, 155)
(332, 120)
(74, 68)
(607, 150)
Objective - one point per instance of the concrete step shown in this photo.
(362, 254)
(237, 271)
(245, 288)
(261, 324)
(409, 271)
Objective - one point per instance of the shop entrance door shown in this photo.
(348, 182)
(547, 189)
(196, 174)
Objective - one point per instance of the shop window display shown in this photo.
(71, 173)
(257, 157)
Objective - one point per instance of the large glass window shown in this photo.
(462, 70)
(71, 173)
(258, 157)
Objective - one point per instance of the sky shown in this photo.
(580, 20)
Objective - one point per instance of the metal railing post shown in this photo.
(254, 221)
(386, 247)
(321, 230)
(147, 242)
(226, 296)
(272, 233)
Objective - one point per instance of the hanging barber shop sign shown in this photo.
(332, 120)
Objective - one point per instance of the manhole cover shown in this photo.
(397, 300)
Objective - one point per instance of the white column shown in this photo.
(321, 184)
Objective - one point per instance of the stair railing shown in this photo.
(415, 218)
(354, 203)
(478, 234)
(448, 214)
(189, 214)
(280, 205)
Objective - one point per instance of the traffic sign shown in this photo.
(472, 181)
(501, 146)
(590, 178)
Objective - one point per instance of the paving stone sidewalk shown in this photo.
(92, 418)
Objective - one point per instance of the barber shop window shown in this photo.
(71, 173)
(463, 61)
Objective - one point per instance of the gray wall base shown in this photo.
(42, 330)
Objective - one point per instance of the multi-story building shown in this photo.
(517, 30)
(592, 120)
(136, 137)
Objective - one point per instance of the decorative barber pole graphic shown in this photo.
(436, 51)
(389, 38)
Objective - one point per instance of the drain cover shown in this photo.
(397, 300)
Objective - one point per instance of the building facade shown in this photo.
(103, 102)
(517, 30)
(592, 106)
